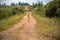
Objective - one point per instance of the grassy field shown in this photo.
(10, 15)
(8, 22)
(47, 27)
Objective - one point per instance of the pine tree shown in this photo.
(33, 3)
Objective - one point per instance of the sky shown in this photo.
(28, 1)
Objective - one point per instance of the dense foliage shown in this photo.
(53, 9)
(6, 11)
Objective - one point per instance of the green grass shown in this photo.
(47, 27)
(10, 21)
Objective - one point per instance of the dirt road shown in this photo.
(23, 30)
(28, 32)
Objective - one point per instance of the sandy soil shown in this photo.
(26, 33)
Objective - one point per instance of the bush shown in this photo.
(9, 11)
(58, 12)
(53, 9)
(18, 10)
(53, 12)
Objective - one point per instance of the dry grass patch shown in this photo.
(47, 27)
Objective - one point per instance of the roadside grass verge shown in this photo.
(47, 27)
(10, 21)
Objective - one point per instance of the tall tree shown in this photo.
(19, 3)
(0, 4)
(41, 3)
(33, 3)
(12, 4)
(4, 4)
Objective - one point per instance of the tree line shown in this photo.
(13, 9)
(16, 4)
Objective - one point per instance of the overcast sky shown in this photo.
(16, 1)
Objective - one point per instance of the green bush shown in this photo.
(53, 9)
(58, 11)
(9, 11)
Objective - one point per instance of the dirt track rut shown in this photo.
(20, 32)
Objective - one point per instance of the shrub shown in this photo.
(9, 11)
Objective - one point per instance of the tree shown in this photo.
(16, 4)
(33, 3)
(0, 4)
(41, 3)
(12, 4)
(4, 4)
(53, 8)
(19, 3)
